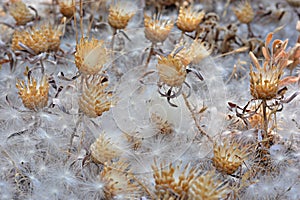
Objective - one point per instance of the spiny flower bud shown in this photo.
(171, 71)
(95, 100)
(119, 14)
(207, 187)
(40, 40)
(20, 13)
(103, 150)
(66, 7)
(91, 56)
(229, 156)
(188, 20)
(34, 95)
(244, 12)
(157, 30)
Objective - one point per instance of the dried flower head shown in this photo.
(171, 71)
(120, 13)
(170, 183)
(103, 150)
(294, 3)
(188, 20)
(119, 182)
(244, 12)
(265, 83)
(162, 126)
(66, 7)
(194, 53)
(95, 100)
(91, 56)
(34, 95)
(20, 13)
(157, 30)
(207, 187)
(43, 39)
(229, 156)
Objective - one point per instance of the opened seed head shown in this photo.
(20, 13)
(171, 71)
(66, 7)
(188, 20)
(229, 156)
(91, 56)
(207, 187)
(95, 99)
(120, 14)
(34, 95)
(157, 30)
(244, 12)
(43, 39)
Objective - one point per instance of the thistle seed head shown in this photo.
(188, 20)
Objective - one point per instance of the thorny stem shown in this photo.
(188, 105)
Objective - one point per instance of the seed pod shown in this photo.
(34, 95)
(244, 12)
(229, 156)
(66, 7)
(43, 39)
(171, 71)
(95, 100)
(103, 150)
(120, 14)
(20, 13)
(157, 30)
(188, 20)
(91, 56)
(207, 187)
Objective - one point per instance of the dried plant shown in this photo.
(34, 94)
(119, 182)
(67, 8)
(171, 183)
(188, 20)
(206, 186)
(103, 151)
(244, 12)
(162, 126)
(91, 56)
(119, 15)
(95, 99)
(229, 156)
(20, 13)
(39, 40)
(157, 30)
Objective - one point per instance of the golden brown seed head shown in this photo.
(95, 100)
(162, 126)
(91, 56)
(264, 84)
(103, 150)
(20, 13)
(119, 182)
(66, 7)
(171, 71)
(40, 40)
(188, 20)
(207, 187)
(120, 14)
(229, 156)
(157, 30)
(294, 3)
(244, 12)
(171, 181)
(34, 95)
(194, 53)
